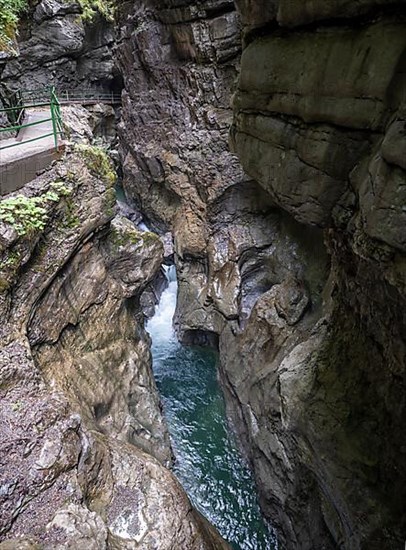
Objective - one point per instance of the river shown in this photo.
(208, 463)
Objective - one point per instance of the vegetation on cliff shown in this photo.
(10, 11)
(9, 14)
(91, 7)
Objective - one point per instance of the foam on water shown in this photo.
(208, 463)
(160, 326)
(143, 227)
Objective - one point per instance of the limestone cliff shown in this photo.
(319, 123)
(79, 406)
(295, 268)
(57, 47)
(298, 269)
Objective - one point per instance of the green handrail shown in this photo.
(56, 118)
(47, 97)
(21, 126)
(17, 143)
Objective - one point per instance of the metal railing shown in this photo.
(15, 107)
(16, 115)
(70, 96)
(15, 110)
(88, 97)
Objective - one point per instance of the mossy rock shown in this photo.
(98, 162)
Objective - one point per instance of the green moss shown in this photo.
(124, 238)
(16, 406)
(9, 16)
(71, 219)
(12, 260)
(110, 202)
(129, 237)
(4, 285)
(90, 8)
(150, 238)
(98, 162)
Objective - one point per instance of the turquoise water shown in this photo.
(208, 463)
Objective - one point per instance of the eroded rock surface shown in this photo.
(57, 47)
(78, 399)
(299, 275)
(315, 110)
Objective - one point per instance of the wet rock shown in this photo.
(306, 168)
(328, 150)
(78, 398)
(174, 180)
(124, 263)
(48, 9)
(90, 490)
(299, 275)
(294, 13)
(151, 295)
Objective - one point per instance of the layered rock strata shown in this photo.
(316, 114)
(299, 275)
(179, 62)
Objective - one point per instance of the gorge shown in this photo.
(268, 137)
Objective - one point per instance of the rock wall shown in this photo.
(83, 441)
(55, 47)
(179, 63)
(319, 123)
(79, 405)
(295, 269)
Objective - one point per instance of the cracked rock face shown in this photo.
(56, 48)
(179, 64)
(317, 398)
(296, 269)
(83, 440)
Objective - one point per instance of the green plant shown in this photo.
(12, 260)
(71, 218)
(28, 214)
(91, 7)
(98, 162)
(9, 16)
(16, 406)
(60, 188)
(23, 213)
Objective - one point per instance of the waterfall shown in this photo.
(159, 326)
(208, 463)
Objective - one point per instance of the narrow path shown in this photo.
(20, 164)
(26, 150)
